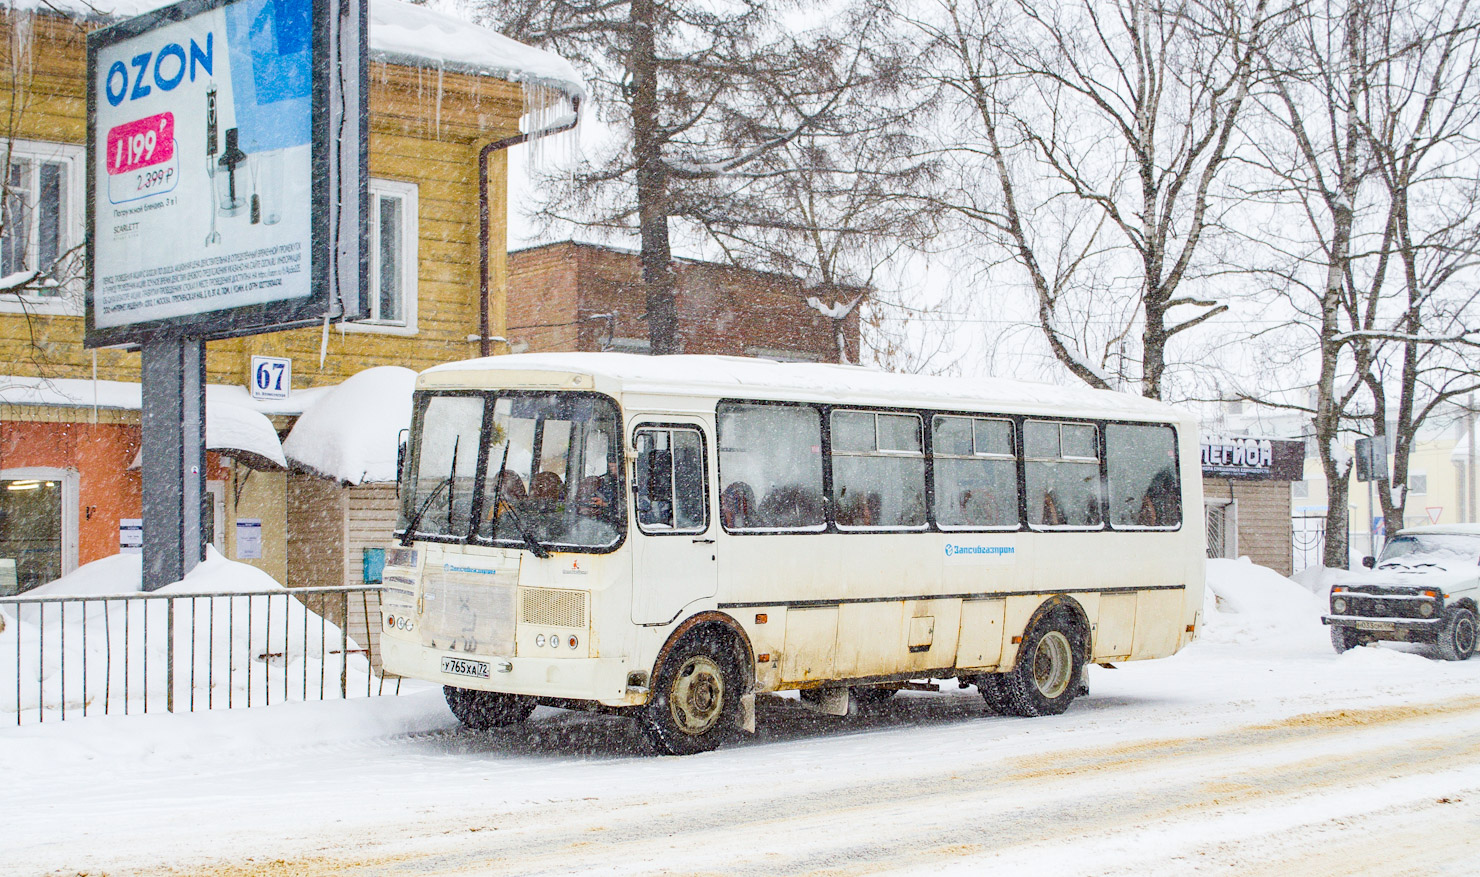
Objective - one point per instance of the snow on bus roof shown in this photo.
(400, 33)
(734, 376)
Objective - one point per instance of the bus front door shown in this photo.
(674, 551)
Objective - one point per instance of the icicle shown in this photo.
(545, 108)
(438, 117)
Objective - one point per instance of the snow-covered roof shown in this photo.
(352, 433)
(234, 423)
(733, 376)
(400, 33)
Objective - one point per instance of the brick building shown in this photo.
(586, 297)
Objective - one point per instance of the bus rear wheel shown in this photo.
(482, 710)
(1046, 677)
(696, 704)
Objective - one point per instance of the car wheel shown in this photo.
(482, 710)
(1343, 638)
(1457, 639)
(696, 703)
(1046, 677)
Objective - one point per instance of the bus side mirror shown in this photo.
(1369, 561)
(401, 459)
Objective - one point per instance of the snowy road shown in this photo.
(1384, 786)
(1205, 761)
(1256, 749)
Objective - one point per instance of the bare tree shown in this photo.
(701, 92)
(1422, 132)
(1100, 130)
(1373, 105)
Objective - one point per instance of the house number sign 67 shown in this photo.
(272, 377)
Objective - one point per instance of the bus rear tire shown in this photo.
(1457, 639)
(990, 686)
(1047, 675)
(696, 703)
(483, 710)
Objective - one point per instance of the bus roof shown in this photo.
(734, 377)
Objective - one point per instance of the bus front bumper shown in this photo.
(603, 680)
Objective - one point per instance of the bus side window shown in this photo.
(1063, 474)
(670, 481)
(770, 461)
(975, 473)
(1141, 462)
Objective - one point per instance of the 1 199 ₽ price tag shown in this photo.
(141, 143)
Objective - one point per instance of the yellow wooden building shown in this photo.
(445, 97)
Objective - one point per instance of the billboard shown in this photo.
(226, 169)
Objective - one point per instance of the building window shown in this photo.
(392, 231)
(41, 224)
(38, 540)
(1300, 489)
(1418, 483)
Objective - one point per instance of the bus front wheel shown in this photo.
(696, 703)
(1046, 677)
(482, 710)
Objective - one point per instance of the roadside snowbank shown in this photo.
(1247, 604)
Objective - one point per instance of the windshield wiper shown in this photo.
(416, 518)
(445, 482)
(535, 547)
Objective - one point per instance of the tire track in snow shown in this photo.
(1088, 804)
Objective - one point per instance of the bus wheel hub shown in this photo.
(697, 695)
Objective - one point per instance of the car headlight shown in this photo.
(1426, 609)
(1338, 605)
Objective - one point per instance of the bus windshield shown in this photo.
(551, 466)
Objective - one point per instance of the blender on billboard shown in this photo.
(203, 186)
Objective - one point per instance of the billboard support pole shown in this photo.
(174, 457)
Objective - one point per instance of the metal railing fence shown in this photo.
(69, 656)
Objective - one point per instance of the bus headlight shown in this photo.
(1338, 605)
(539, 640)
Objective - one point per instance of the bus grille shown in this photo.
(552, 607)
(468, 616)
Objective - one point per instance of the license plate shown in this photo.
(1371, 625)
(464, 667)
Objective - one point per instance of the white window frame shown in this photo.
(410, 259)
(1418, 482)
(69, 302)
(70, 480)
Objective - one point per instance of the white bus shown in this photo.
(668, 536)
